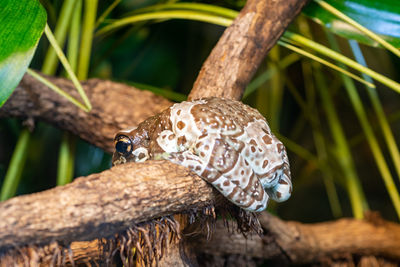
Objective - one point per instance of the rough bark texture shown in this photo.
(102, 204)
(115, 106)
(242, 47)
(298, 243)
(346, 241)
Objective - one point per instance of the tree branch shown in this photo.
(288, 242)
(299, 243)
(102, 204)
(115, 106)
(241, 49)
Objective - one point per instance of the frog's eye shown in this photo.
(123, 144)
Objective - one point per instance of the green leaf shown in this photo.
(22, 23)
(381, 17)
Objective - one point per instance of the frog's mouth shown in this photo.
(140, 154)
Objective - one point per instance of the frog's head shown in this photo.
(130, 146)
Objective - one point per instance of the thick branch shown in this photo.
(289, 242)
(115, 106)
(102, 204)
(309, 243)
(238, 53)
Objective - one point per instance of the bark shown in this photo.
(367, 242)
(298, 243)
(102, 204)
(238, 53)
(115, 106)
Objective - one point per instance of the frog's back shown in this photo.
(214, 115)
(243, 127)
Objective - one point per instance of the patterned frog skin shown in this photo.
(226, 142)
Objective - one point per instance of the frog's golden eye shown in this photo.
(123, 144)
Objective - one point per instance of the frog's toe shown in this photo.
(282, 190)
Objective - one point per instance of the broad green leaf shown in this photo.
(381, 17)
(21, 25)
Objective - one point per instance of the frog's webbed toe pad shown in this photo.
(282, 190)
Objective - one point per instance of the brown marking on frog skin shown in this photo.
(272, 171)
(204, 135)
(181, 140)
(253, 142)
(281, 147)
(209, 175)
(235, 182)
(234, 192)
(283, 182)
(223, 151)
(267, 140)
(265, 163)
(220, 124)
(251, 185)
(180, 125)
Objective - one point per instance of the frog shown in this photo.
(227, 143)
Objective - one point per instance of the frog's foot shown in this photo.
(282, 190)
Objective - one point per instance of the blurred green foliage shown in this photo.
(306, 104)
